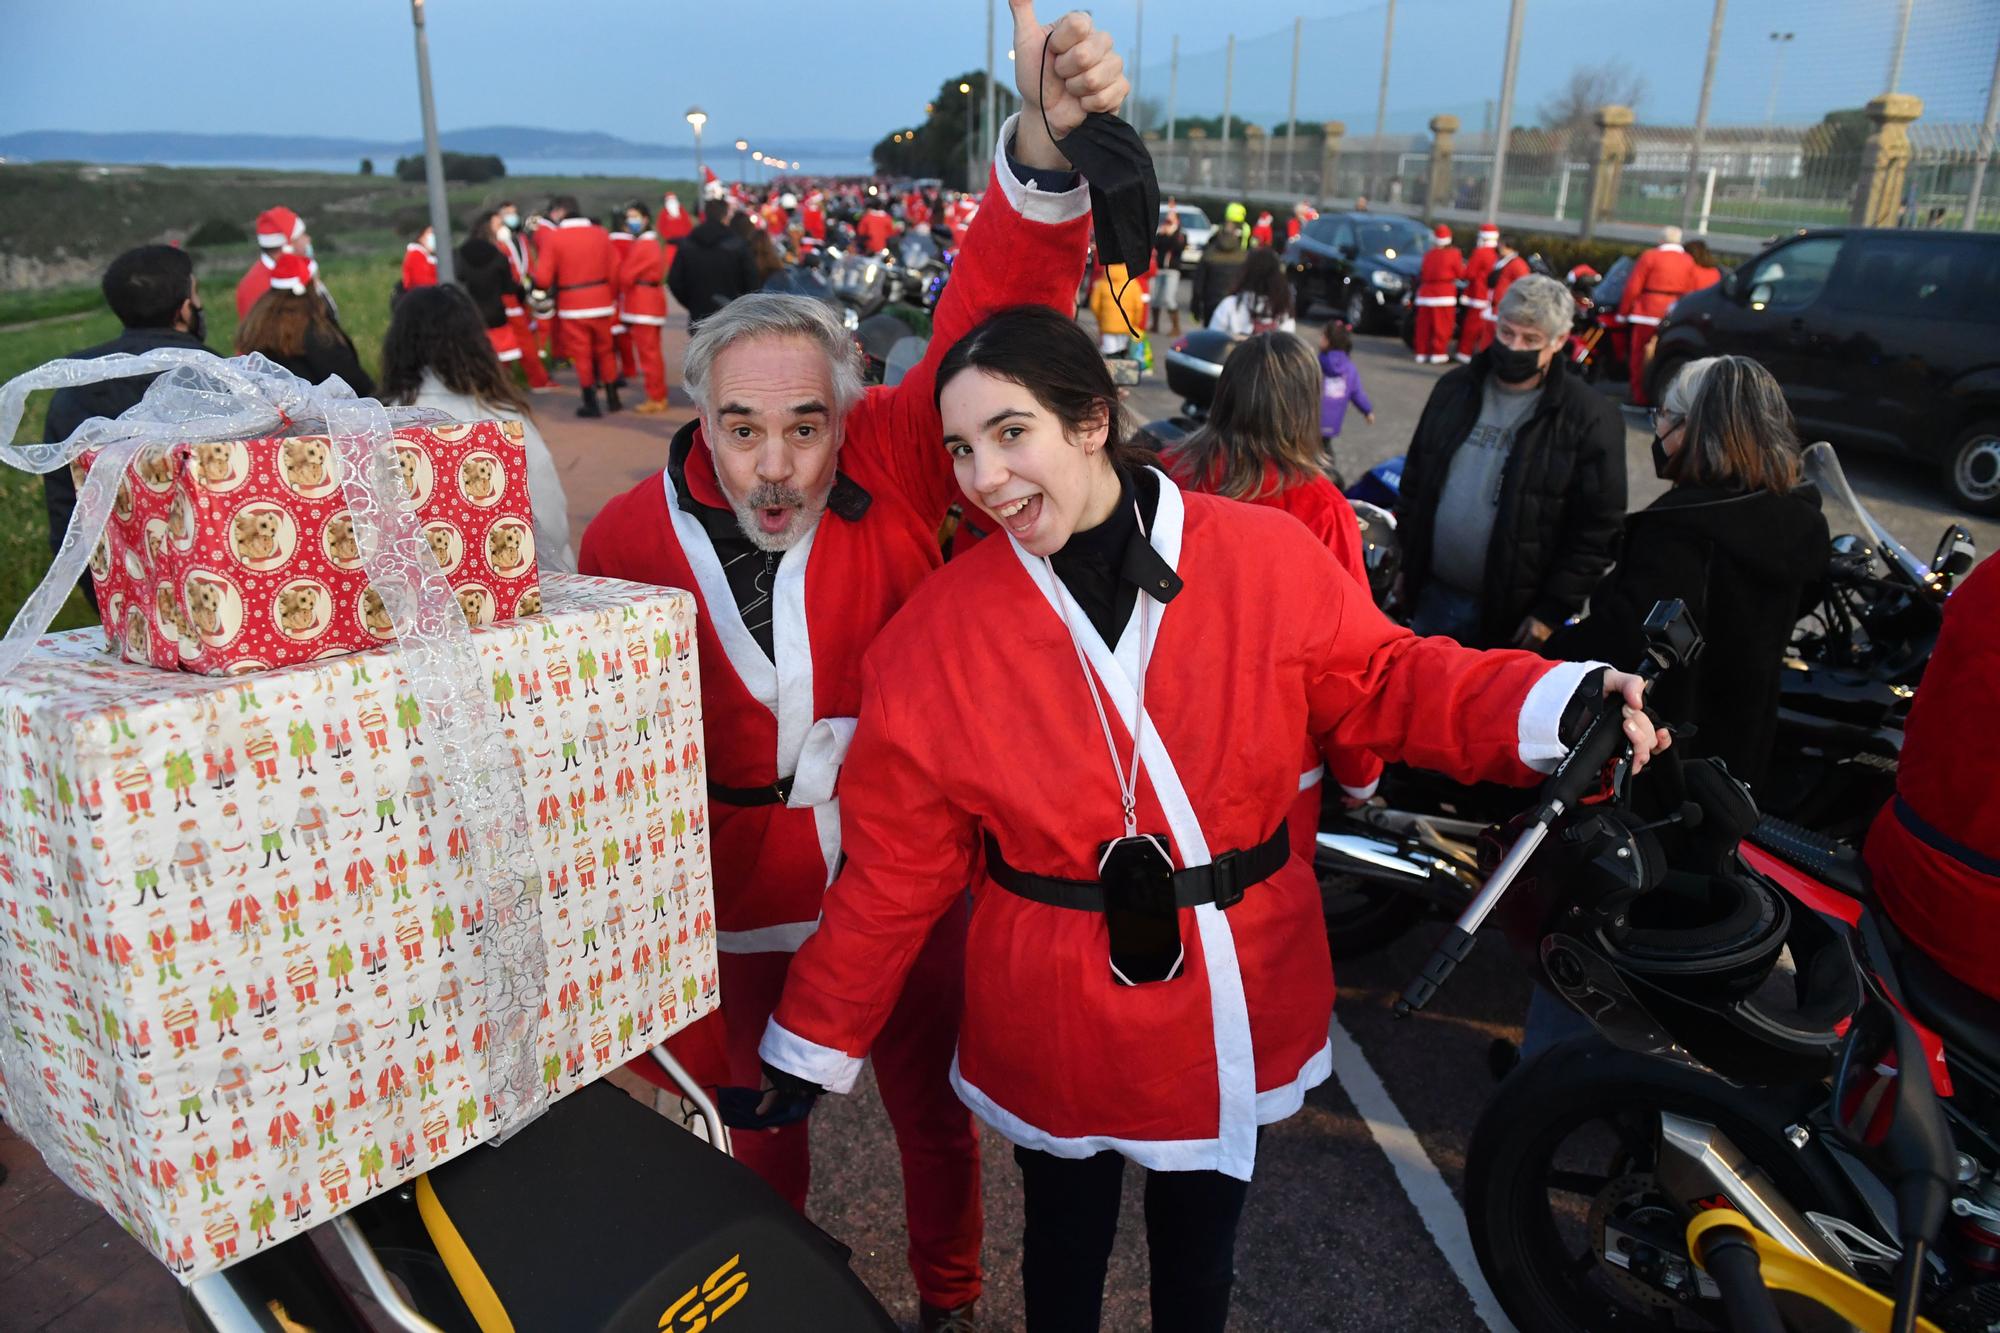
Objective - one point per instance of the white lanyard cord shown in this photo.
(1128, 779)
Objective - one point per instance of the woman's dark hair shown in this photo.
(480, 227)
(283, 323)
(636, 207)
(743, 226)
(1737, 431)
(146, 287)
(439, 329)
(1264, 285)
(1050, 356)
(1336, 336)
(1265, 415)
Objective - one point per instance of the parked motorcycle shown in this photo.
(1772, 1048)
(596, 1216)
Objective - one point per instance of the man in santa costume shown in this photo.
(803, 511)
(527, 335)
(642, 304)
(1662, 276)
(963, 210)
(1437, 297)
(1508, 268)
(1302, 213)
(1261, 233)
(674, 222)
(574, 262)
(420, 267)
(875, 229)
(280, 231)
(1935, 849)
(1475, 330)
(812, 216)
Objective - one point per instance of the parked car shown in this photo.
(1364, 265)
(1886, 340)
(1197, 227)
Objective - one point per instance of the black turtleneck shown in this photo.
(1105, 567)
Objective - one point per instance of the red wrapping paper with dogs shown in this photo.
(230, 556)
(241, 942)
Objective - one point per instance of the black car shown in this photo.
(1364, 265)
(1884, 340)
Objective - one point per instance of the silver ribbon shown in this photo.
(199, 397)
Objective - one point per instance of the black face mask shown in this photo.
(1514, 365)
(1124, 192)
(198, 323)
(1662, 460)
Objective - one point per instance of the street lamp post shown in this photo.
(433, 158)
(1780, 40)
(697, 118)
(971, 161)
(742, 161)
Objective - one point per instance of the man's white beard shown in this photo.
(806, 511)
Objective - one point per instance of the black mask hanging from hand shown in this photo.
(1124, 192)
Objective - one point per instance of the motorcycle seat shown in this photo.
(1831, 862)
(1967, 1019)
(602, 1215)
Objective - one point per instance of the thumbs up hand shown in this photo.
(1064, 72)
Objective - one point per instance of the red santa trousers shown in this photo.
(646, 342)
(1477, 331)
(622, 344)
(1434, 329)
(935, 1132)
(1635, 359)
(530, 343)
(587, 344)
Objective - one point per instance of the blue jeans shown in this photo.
(1443, 609)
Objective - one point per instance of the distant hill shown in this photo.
(512, 142)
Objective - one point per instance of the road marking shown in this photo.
(1436, 1207)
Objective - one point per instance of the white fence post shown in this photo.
(1562, 193)
(1707, 202)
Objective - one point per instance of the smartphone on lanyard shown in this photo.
(1140, 916)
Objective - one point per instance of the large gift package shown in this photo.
(248, 972)
(239, 555)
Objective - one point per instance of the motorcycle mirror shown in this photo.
(1955, 553)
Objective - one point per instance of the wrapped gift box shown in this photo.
(240, 555)
(242, 945)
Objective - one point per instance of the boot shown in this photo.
(651, 407)
(589, 408)
(611, 403)
(937, 1319)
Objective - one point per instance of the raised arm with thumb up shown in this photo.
(1064, 71)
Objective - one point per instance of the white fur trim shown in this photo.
(576, 222)
(1312, 777)
(618, 328)
(511, 354)
(1541, 714)
(1275, 1104)
(595, 312)
(787, 1050)
(1437, 300)
(1361, 793)
(271, 240)
(752, 667)
(650, 321)
(1234, 1149)
(1033, 204)
(1642, 319)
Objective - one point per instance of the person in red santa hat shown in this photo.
(959, 217)
(1935, 848)
(1260, 234)
(575, 261)
(280, 231)
(527, 336)
(1302, 213)
(1662, 276)
(1096, 723)
(803, 510)
(812, 216)
(642, 303)
(1508, 268)
(1475, 330)
(876, 228)
(674, 224)
(1437, 297)
(420, 267)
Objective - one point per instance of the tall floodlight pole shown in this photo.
(1382, 97)
(1896, 51)
(971, 160)
(1173, 85)
(1292, 103)
(1701, 117)
(1986, 131)
(1506, 108)
(433, 155)
(992, 122)
(697, 118)
(1781, 40)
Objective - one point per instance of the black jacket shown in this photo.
(1215, 276)
(70, 408)
(324, 358)
(712, 267)
(1743, 563)
(487, 278)
(1562, 497)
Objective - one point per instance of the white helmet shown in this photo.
(788, 201)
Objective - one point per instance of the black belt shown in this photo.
(579, 286)
(1222, 881)
(1943, 842)
(776, 793)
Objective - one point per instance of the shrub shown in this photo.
(472, 168)
(368, 166)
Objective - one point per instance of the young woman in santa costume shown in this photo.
(1096, 724)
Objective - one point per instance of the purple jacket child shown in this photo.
(1342, 385)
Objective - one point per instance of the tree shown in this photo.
(938, 146)
(473, 168)
(368, 166)
(1573, 110)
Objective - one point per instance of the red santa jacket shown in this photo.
(517, 265)
(420, 267)
(642, 281)
(254, 284)
(1261, 233)
(1267, 640)
(833, 592)
(1663, 275)
(1437, 279)
(1504, 276)
(963, 211)
(674, 223)
(875, 230)
(574, 261)
(1935, 849)
(812, 218)
(1478, 268)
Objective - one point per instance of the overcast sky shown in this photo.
(781, 68)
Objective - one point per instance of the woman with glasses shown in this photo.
(1738, 537)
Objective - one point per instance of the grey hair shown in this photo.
(1679, 398)
(1539, 302)
(762, 315)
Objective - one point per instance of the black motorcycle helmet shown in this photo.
(1672, 946)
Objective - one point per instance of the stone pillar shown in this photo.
(1885, 161)
(1607, 165)
(1333, 131)
(1444, 129)
(1197, 151)
(1256, 159)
